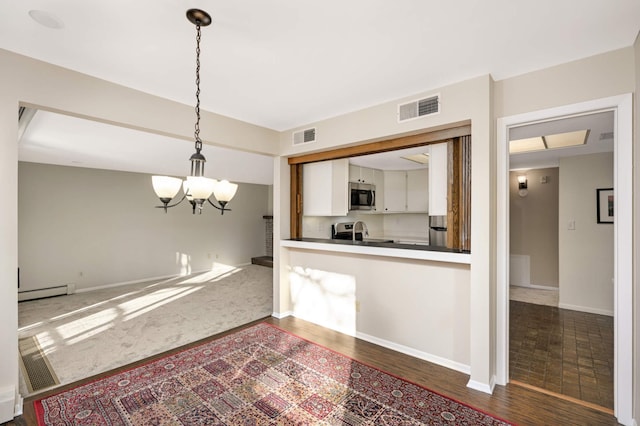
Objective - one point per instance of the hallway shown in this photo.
(563, 351)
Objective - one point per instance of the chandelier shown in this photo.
(197, 188)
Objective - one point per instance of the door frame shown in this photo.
(622, 107)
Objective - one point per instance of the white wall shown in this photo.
(636, 233)
(8, 246)
(420, 307)
(95, 227)
(586, 253)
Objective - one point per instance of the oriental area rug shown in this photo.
(258, 376)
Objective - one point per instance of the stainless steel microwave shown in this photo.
(362, 196)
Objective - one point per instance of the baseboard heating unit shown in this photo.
(46, 292)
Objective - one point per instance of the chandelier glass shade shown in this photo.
(197, 188)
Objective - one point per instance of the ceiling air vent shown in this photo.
(304, 136)
(606, 135)
(419, 108)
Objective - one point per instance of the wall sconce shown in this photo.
(522, 186)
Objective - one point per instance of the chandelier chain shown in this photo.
(197, 126)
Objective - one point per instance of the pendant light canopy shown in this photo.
(197, 188)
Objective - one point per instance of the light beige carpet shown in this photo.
(88, 333)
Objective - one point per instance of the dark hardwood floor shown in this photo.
(513, 403)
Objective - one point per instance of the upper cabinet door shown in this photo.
(395, 191)
(325, 188)
(438, 179)
(366, 175)
(417, 191)
(354, 173)
(360, 174)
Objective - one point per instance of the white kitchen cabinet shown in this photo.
(325, 188)
(378, 181)
(361, 174)
(406, 191)
(418, 191)
(395, 191)
(438, 179)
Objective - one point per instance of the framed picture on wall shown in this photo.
(605, 205)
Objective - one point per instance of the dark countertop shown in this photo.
(374, 242)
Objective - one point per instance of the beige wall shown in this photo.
(586, 253)
(92, 228)
(599, 76)
(533, 223)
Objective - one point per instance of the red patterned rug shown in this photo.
(258, 376)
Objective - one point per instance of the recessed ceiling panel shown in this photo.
(526, 145)
(564, 140)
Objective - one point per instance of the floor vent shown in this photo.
(46, 292)
(304, 136)
(37, 370)
(419, 108)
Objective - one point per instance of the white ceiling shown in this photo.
(284, 64)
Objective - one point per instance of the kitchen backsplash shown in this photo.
(387, 225)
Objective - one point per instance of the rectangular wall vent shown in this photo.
(304, 136)
(606, 135)
(419, 108)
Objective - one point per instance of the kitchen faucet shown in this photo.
(363, 227)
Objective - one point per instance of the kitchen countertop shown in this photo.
(377, 247)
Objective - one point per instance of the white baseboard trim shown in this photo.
(8, 403)
(586, 309)
(142, 280)
(281, 315)
(19, 406)
(483, 387)
(539, 287)
(444, 362)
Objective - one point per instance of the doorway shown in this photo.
(623, 312)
